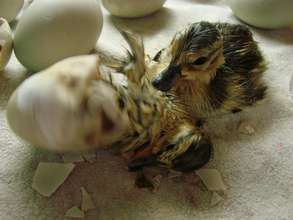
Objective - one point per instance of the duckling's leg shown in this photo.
(139, 163)
(197, 155)
(146, 156)
(141, 181)
(189, 150)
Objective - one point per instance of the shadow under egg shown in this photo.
(146, 26)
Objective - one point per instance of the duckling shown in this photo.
(213, 68)
(161, 132)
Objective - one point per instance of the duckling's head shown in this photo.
(196, 53)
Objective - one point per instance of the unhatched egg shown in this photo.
(51, 30)
(264, 13)
(132, 8)
(10, 8)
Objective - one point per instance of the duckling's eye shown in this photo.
(200, 61)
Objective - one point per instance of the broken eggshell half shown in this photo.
(6, 43)
(67, 107)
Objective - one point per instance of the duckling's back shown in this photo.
(243, 69)
(240, 50)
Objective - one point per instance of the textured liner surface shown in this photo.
(257, 168)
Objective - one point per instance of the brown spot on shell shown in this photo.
(84, 104)
(107, 123)
(90, 138)
(70, 82)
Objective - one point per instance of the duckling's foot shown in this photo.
(141, 181)
(197, 155)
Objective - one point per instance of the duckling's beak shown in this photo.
(166, 79)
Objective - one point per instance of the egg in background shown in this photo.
(132, 8)
(264, 13)
(51, 30)
(9, 9)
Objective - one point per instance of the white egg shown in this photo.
(10, 8)
(132, 8)
(51, 30)
(6, 43)
(264, 14)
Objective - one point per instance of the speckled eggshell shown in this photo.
(10, 8)
(264, 13)
(132, 8)
(51, 30)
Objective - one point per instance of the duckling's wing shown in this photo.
(241, 51)
(135, 69)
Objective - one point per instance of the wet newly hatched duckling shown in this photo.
(161, 132)
(214, 68)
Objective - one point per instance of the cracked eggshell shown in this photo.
(9, 9)
(66, 108)
(6, 43)
(132, 8)
(51, 30)
(264, 13)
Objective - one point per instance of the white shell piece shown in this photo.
(212, 179)
(49, 176)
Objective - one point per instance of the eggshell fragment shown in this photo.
(86, 200)
(6, 43)
(49, 176)
(215, 199)
(51, 30)
(132, 8)
(74, 212)
(67, 108)
(10, 8)
(89, 156)
(212, 179)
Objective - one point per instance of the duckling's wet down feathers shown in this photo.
(213, 68)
